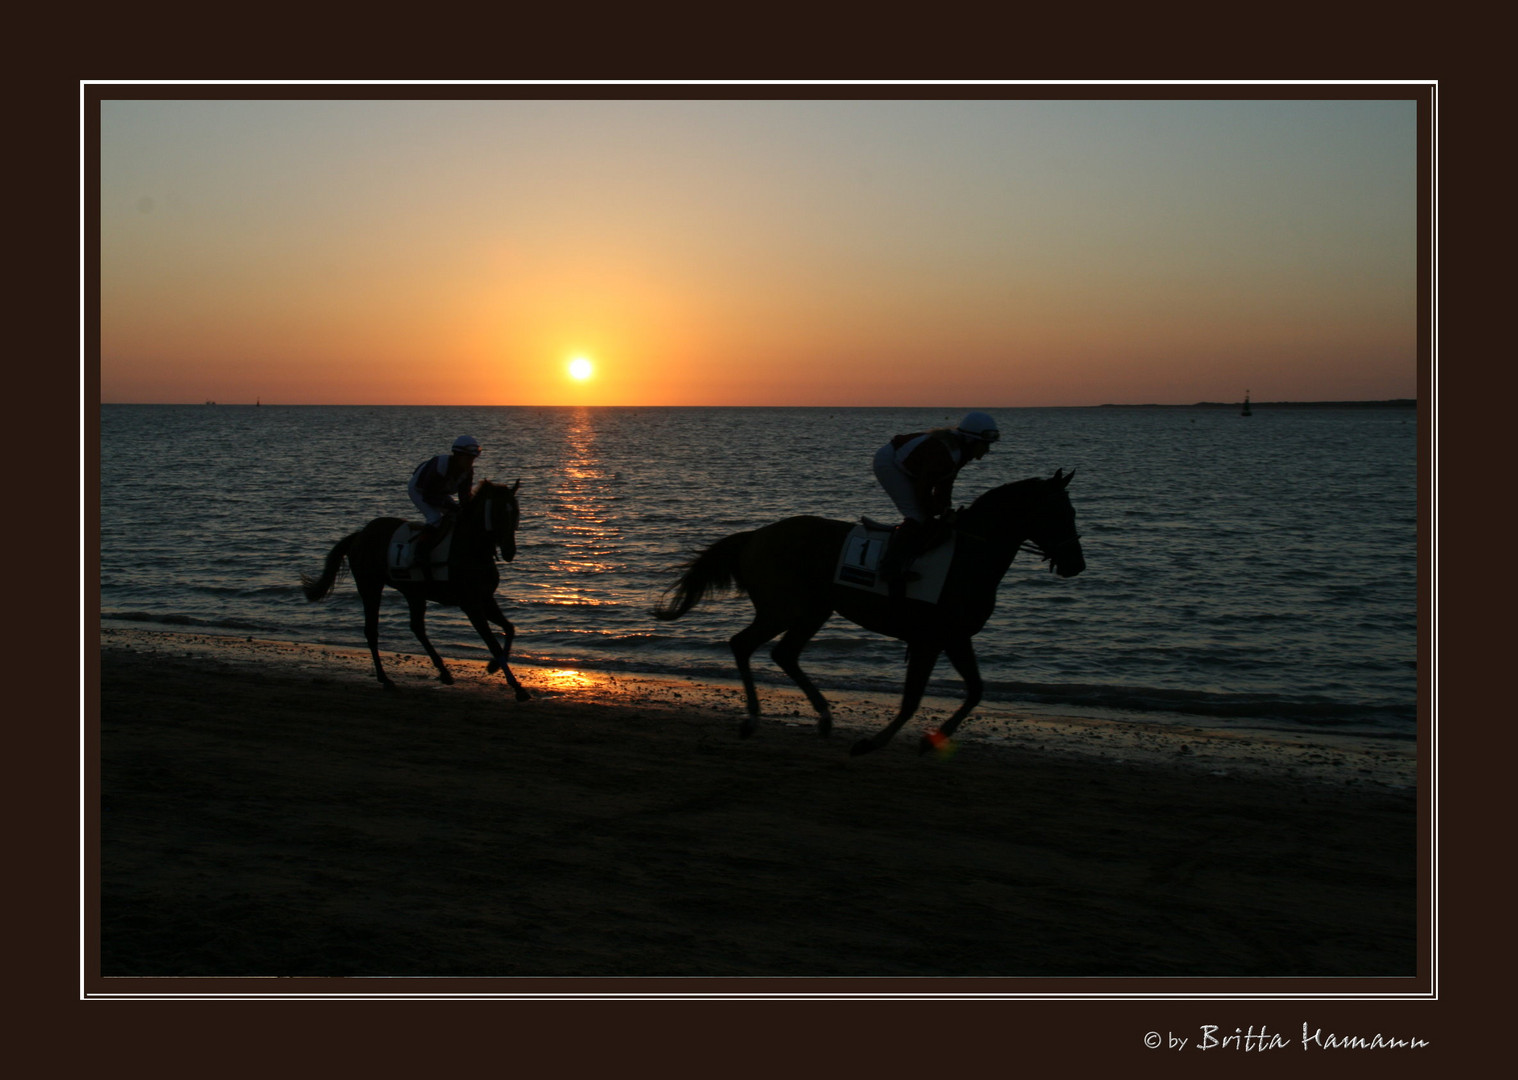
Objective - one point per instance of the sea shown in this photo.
(1247, 572)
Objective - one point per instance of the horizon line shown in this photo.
(1395, 401)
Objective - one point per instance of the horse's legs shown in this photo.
(481, 618)
(492, 611)
(418, 603)
(743, 643)
(920, 660)
(961, 653)
(787, 653)
(370, 591)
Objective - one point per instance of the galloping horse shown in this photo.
(786, 569)
(487, 523)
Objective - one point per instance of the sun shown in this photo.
(581, 369)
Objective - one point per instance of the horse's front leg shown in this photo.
(961, 654)
(418, 603)
(920, 660)
(499, 650)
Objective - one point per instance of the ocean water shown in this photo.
(1256, 572)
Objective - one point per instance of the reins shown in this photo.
(1030, 546)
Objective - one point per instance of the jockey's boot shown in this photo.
(421, 551)
(907, 542)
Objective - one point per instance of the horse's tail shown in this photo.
(316, 588)
(713, 570)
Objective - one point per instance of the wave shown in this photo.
(174, 619)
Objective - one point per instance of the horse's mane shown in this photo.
(479, 489)
(1006, 493)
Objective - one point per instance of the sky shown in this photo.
(977, 253)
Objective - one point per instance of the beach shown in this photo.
(266, 809)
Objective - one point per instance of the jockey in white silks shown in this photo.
(917, 471)
(432, 487)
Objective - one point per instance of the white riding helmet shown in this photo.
(467, 444)
(978, 425)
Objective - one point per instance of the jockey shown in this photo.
(918, 471)
(434, 483)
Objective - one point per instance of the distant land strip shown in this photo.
(1393, 403)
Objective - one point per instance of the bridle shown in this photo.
(1054, 554)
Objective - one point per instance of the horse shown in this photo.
(486, 523)
(786, 569)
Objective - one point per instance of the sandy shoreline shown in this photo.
(266, 809)
(1320, 757)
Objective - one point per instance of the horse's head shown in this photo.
(499, 515)
(1038, 513)
(1053, 532)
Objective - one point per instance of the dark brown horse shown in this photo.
(787, 571)
(486, 523)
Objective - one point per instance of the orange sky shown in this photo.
(870, 252)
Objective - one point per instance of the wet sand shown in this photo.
(268, 810)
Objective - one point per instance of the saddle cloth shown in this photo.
(859, 563)
(401, 560)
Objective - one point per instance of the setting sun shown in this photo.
(580, 369)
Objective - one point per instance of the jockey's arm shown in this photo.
(941, 499)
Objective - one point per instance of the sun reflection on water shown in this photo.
(579, 508)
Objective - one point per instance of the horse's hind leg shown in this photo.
(743, 643)
(370, 593)
(418, 604)
(961, 654)
(787, 653)
(920, 661)
(499, 650)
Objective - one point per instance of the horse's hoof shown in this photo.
(388, 685)
(522, 694)
(863, 746)
(446, 679)
(937, 742)
(747, 728)
(492, 667)
(824, 727)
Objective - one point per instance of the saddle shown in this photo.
(401, 553)
(859, 562)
